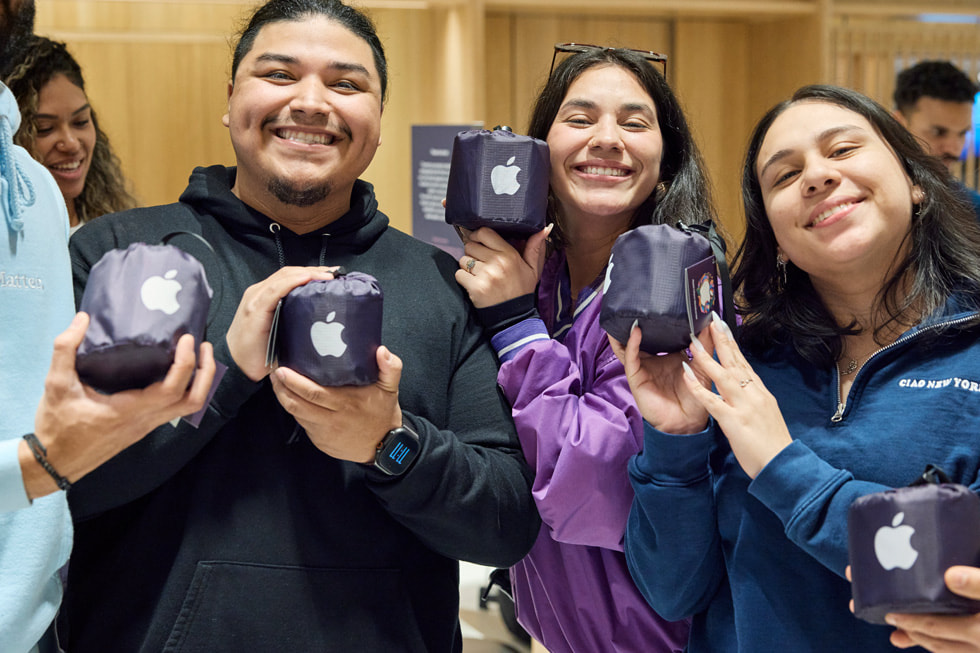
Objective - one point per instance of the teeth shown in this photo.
(304, 137)
(608, 172)
(829, 212)
(66, 166)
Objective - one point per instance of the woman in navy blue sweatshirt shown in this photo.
(857, 364)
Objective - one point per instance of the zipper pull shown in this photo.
(839, 415)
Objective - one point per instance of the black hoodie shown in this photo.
(241, 535)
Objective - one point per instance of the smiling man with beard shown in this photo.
(277, 525)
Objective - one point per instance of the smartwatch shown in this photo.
(397, 451)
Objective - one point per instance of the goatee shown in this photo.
(292, 195)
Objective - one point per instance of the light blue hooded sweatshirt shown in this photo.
(36, 304)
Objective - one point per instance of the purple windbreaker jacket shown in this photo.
(579, 426)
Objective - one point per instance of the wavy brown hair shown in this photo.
(105, 188)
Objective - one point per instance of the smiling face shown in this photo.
(65, 137)
(836, 195)
(606, 148)
(304, 113)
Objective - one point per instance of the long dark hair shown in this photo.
(105, 186)
(943, 256)
(276, 11)
(688, 192)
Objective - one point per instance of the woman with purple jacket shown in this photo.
(621, 156)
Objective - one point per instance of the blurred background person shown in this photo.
(934, 101)
(60, 129)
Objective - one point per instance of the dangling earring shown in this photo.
(660, 190)
(918, 199)
(781, 271)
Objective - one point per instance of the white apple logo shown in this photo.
(160, 294)
(326, 337)
(893, 546)
(605, 285)
(503, 178)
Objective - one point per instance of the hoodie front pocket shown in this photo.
(233, 606)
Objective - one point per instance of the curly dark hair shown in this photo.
(105, 186)
(944, 255)
(936, 79)
(687, 197)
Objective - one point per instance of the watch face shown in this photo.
(399, 450)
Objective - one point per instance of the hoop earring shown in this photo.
(781, 278)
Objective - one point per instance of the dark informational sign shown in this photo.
(432, 148)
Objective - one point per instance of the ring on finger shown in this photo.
(469, 265)
(744, 382)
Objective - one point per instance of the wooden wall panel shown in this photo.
(157, 69)
(711, 71)
(435, 60)
(157, 75)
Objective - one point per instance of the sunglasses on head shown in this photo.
(649, 55)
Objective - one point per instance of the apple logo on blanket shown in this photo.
(893, 546)
(503, 178)
(326, 337)
(160, 293)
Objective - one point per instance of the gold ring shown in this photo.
(744, 382)
(470, 264)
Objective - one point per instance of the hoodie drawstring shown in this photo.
(323, 250)
(20, 190)
(275, 227)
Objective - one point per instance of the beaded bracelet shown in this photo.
(40, 453)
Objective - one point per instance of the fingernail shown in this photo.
(551, 225)
(696, 344)
(959, 580)
(688, 372)
(721, 324)
(891, 620)
(635, 324)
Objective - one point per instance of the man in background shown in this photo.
(53, 430)
(934, 100)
